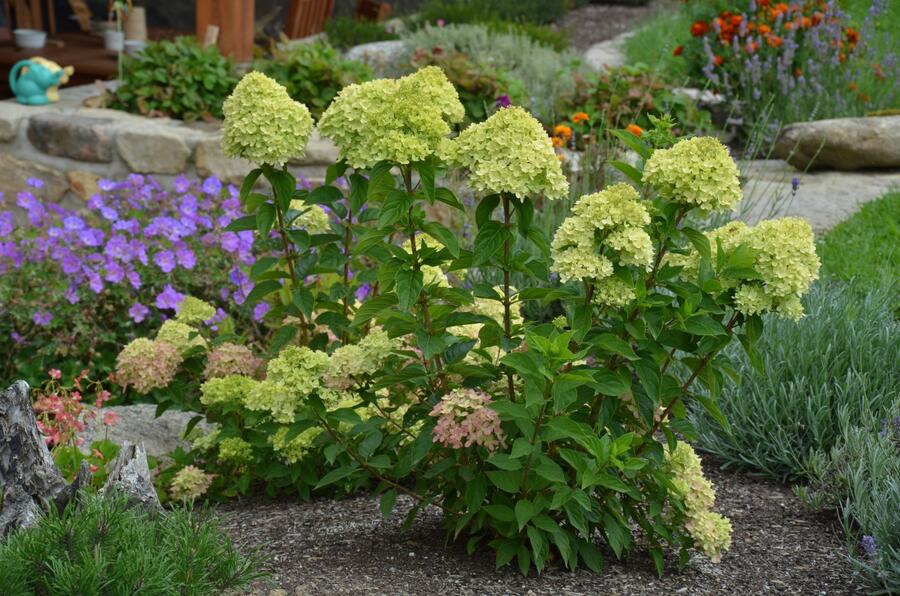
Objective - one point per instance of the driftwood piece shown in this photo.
(28, 475)
(130, 475)
(30, 480)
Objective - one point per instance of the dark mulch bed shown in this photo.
(593, 23)
(345, 547)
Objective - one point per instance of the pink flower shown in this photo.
(464, 420)
(110, 418)
(55, 373)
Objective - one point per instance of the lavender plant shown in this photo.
(535, 439)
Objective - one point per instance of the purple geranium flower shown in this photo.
(138, 312)
(181, 184)
(169, 299)
(42, 318)
(7, 223)
(165, 260)
(503, 101)
(35, 182)
(73, 223)
(260, 310)
(212, 186)
(72, 294)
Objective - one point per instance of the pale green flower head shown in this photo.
(312, 218)
(235, 449)
(231, 389)
(696, 172)
(262, 122)
(509, 153)
(184, 337)
(397, 120)
(193, 311)
(605, 229)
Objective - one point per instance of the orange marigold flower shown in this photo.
(764, 29)
(563, 131)
(798, 72)
(557, 142)
(736, 20)
(806, 22)
(852, 35)
(774, 40)
(580, 117)
(635, 129)
(788, 26)
(752, 47)
(863, 97)
(763, 3)
(678, 51)
(699, 28)
(718, 60)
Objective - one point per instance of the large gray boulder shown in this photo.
(138, 424)
(842, 143)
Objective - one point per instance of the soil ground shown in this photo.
(345, 547)
(593, 23)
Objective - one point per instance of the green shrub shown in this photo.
(176, 78)
(860, 477)
(99, 544)
(313, 73)
(386, 371)
(837, 365)
(544, 73)
(866, 247)
(536, 12)
(346, 32)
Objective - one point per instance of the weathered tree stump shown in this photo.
(28, 475)
(30, 480)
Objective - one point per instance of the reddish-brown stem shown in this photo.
(347, 239)
(507, 305)
(685, 387)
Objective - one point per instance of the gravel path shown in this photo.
(594, 23)
(344, 547)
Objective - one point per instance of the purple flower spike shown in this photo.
(868, 545)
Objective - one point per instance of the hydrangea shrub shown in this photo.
(395, 369)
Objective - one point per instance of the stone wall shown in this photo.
(71, 147)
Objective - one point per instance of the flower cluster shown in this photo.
(508, 153)
(710, 531)
(189, 483)
(136, 248)
(465, 419)
(184, 337)
(61, 411)
(350, 363)
(312, 218)
(290, 378)
(398, 120)
(696, 172)
(146, 364)
(605, 230)
(235, 450)
(785, 262)
(193, 311)
(262, 122)
(797, 56)
(231, 359)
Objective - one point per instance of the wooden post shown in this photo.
(235, 20)
(307, 17)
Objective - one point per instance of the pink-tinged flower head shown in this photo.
(110, 418)
(464, 419)
(147, 365)
(54, 373)
(231, 359)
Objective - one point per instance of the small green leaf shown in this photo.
(387, 502)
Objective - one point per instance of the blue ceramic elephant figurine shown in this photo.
(31, 86)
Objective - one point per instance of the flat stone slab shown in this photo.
(824, 198)
(381, 56)
(152, 151)
(76, 137)
(842, 143)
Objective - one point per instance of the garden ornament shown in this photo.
(53, 92)
(34, 81)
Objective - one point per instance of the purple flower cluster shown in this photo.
(134, 236)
